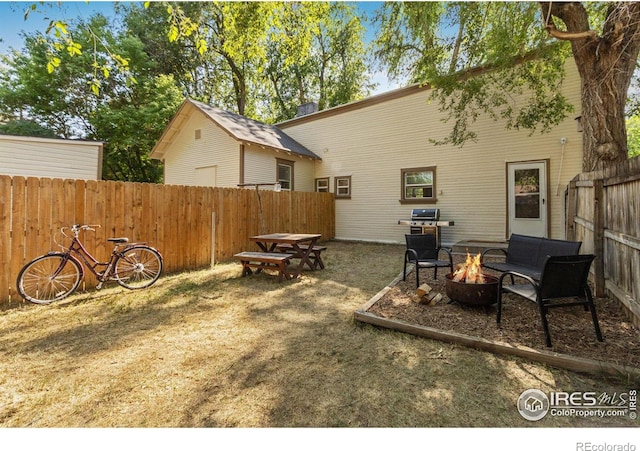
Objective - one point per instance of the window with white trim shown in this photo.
(342, 187)
(285, 174)
(322, 185)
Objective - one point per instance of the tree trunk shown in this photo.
(606, 64)
(604, 93)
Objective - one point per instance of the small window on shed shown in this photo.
(198, 133)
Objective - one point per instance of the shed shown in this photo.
(50, 157)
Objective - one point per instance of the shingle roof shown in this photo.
(253, 132)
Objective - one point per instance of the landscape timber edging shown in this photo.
(564, 361)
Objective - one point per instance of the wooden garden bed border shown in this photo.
(564, 361)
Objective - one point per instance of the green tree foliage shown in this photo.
(633, 136)
(316, 53)
(87, 97)
(483, 55)
(29, 91)
(23, 127)
(131, 124)
(214, 50)
(444, 44)
(260, 59)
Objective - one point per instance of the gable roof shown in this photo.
(240, 128)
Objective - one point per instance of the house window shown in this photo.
(198, 134)
(342, 187)
(322, 185)
(285, 174)
(419, 185)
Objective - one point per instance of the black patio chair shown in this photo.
(423, 252)
(563, 283)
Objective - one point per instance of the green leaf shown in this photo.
(173, 33)
(62, 27)
(201, 46)
(74, 48)
(95, 86)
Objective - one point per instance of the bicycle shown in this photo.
(56, 275)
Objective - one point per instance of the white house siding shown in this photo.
(53, 158)
(260, 167)
(214, 148)
(373, 143)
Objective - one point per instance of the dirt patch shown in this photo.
(572, 330)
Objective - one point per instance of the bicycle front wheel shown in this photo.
(138, 267)
(49, 278)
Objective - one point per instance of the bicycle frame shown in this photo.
(89, 261)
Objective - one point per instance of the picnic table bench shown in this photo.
(315, 254)
(265, 260)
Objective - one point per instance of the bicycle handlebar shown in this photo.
(77, 227)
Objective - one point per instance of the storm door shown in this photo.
(527, 193)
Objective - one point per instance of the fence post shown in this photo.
(213, 239)
(598, 235)
(570, 231)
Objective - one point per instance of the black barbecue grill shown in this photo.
(426, 221)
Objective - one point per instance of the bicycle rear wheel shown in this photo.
(49, 278)
(138, 267)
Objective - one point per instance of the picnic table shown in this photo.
(300, 245)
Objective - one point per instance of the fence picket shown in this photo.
(44, 215)
(18, 224)
(5, 236)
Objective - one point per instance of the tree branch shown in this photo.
(567, 36)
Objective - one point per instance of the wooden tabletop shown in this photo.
(287, 238)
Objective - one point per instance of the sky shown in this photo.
(12, 18)
(12, 24)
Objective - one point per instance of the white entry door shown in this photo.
(527, 186)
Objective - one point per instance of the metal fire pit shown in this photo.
(477, 294)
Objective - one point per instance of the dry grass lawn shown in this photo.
(212, 349)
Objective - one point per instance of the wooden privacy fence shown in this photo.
(603, 211)
(191, 226)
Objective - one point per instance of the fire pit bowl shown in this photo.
(475, 294)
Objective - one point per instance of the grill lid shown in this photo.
(429, 214)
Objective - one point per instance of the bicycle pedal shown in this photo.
(99, 286)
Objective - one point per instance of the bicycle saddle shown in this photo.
(118, 240)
